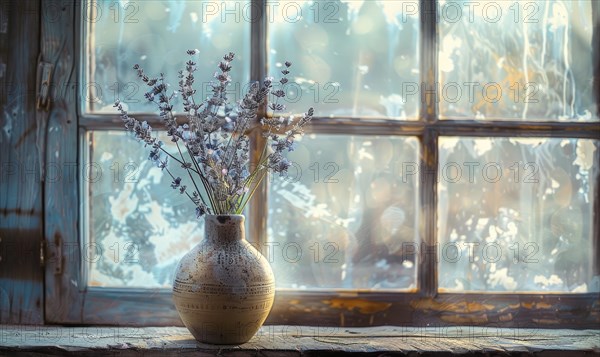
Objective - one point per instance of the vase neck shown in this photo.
(224, 227)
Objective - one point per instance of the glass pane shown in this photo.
(343, 217)
(528, 60)
(351, 57)
(156, 34)
(517, 214)
(138, 226)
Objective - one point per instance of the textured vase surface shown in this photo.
(224, 287)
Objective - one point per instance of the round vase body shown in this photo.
(224, 287)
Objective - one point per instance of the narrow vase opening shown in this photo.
(227, 227)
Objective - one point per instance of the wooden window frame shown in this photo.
(68, 300)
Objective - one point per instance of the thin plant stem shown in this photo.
(187, 169)
(202, 179)
(241, 207)
(175, 158)
(173, 177)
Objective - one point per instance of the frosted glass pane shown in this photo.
(516, 60)
(156, 34)
(344, 217)
(517, 214)
(351, 58)
(138, 226)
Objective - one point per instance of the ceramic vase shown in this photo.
(224, 287)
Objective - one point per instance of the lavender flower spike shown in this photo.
(213, 148)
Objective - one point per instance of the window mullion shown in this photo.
(428, 54)
(596, 61)
(427, 272)
(257, 216)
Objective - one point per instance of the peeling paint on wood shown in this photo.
(64, 300)
(478, 319)
(459, 307)
(21, 278)
(24, 135)
(361, 305)
(536, 305)
(499, 310)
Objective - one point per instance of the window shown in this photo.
(451, 175)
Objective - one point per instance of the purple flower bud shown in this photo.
(176, 182)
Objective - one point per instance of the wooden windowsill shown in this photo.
(294, 340)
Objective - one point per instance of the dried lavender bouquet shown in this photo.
(213, 144)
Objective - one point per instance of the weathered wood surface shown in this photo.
(297, 340)
(499, 310)
(154, 307)
(64, 296)
(21, 224)
(137, 307)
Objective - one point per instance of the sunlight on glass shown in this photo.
(517, 214)
(155, 35)
(351, 58)
(343, 217)
(138, 226)
(529, 60)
